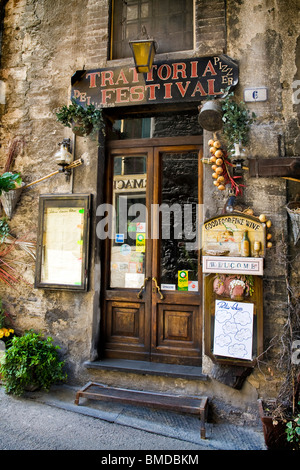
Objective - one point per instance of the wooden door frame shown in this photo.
(187, 143)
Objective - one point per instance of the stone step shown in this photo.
(149, 368)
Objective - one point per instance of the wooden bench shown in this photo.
(186, 404)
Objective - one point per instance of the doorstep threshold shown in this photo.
(149, 368)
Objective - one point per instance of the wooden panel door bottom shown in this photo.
(125, 330)
(178, 335)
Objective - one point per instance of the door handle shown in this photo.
(139, 295)
(157, 287)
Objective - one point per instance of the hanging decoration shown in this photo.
(221, 165)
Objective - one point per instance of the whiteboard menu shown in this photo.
(233, 332)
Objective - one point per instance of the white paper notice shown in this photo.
(134, 280)
(233, 329)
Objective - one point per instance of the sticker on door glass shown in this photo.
(140, 242)
(141, 227)
(125, 249)
(119, 237)
(168, 287)
(183, 280)
(193, 286)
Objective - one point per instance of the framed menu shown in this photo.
(63, 238)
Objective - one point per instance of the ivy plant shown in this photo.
(31, 360)
(236, 121)
(83, 120)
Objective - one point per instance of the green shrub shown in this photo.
(236, 121)
(31, 361)
(293, 430)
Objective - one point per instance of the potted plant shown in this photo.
(281, 425)
(9, 181)
(10, 191)
(236, 122)
(31, 362)
(82, 120)
(293, 430)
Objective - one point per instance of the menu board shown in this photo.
(233, 329)
(62, 246)
(63, 239)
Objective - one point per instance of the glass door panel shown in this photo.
(128, 245)
(179, 206)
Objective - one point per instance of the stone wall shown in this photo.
(264, 38)
(44, 43)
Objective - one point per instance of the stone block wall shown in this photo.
(210, 27)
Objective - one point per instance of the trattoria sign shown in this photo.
(169, 81)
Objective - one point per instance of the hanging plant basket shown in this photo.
(293, 209)
(80, 128)
(10, 199)
(82, 120)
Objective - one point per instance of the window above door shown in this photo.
(169, 22)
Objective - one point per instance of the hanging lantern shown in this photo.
(143, 53)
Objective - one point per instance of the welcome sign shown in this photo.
(169, 81)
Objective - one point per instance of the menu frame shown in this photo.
(82, 203)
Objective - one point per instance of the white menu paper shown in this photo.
(233, 329)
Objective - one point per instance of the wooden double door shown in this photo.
(152, 290)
